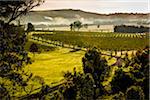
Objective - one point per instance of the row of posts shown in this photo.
(108, 51)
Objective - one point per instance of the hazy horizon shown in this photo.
(98, 6)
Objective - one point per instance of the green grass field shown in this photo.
(51, 65)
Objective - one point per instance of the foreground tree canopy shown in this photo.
(14, 77)
(12, 9)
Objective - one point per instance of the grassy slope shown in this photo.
(51, 65)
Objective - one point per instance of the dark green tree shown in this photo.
(97, 66)
(77, 25)
(33, 48)
(134, 93)
(71, 27)
(30, 27)
(121, 81)
(82, 88)
(13, 58)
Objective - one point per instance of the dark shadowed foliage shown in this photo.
(30, 27)
(13, 58)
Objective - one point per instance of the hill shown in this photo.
(66, 16)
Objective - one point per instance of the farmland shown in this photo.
(67, 54)
(58, 54)
(104, 41)
(53, 61)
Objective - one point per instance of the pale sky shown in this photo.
(99, 6)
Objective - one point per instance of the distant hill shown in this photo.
(66, 16)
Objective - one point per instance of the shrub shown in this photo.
(33, 48)
(134, 93)
(121, 81)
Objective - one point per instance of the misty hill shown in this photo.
(67, 16)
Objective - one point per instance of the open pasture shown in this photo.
(51, 65)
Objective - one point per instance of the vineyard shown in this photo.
(69, 65)
(103, 41)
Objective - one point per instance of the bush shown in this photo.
(33, 48)
(134, 93)
(13, 57)
(82, 88)
(119, 96)
(121, 81)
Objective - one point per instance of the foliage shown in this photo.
(75, 25)
(71, 27)
(82, 88)
(132, 84)
(13, 59)
(13, 77)
(41, 47)
(12, 9)
(30, 27)
(134, 92)
(119, 96)
(119, 78)
(96, 65)
(87, 86)
(138, 75)
(33, 48)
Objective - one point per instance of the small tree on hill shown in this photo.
(75, 25)
(71, 27)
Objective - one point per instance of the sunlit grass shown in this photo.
(51, 65)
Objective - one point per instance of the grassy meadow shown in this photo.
(51, 65)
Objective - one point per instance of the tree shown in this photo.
(13, 59)
(75, 25)
(12, 9)
(71, 27)
(97, 67)
(30, 27)
(119, 78)
(134, 93)
(85, 26)
(33, 48)
(13, 76)
(82, 88)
